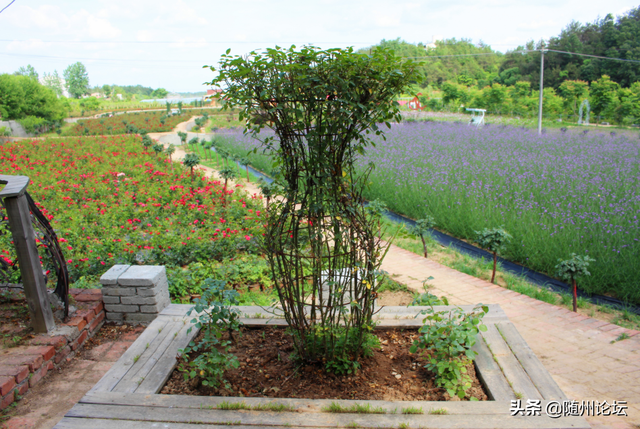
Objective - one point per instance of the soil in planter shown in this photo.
(266, 370)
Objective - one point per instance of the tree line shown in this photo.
(457, 73)
(24, 94)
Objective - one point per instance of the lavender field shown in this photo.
(556, 194)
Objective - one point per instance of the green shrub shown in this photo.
(449, 335)
(215, 316)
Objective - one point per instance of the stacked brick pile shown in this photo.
(135, 293)
(24, 366)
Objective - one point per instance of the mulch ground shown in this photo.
(267, 370)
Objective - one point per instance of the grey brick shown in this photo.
(157, 308)
(115, 316)
(140, 317)
(148, 291)
(117, 291)
(111, 299)
(120, 308)
(143, 275)
(111, 276)
(163, 285)
(139, 300)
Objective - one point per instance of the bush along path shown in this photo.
(590, 359)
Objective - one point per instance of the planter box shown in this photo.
(127, 395)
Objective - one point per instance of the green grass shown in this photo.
(223, 120)
(275, 407)
(518, 284)
(355, 408)
(387, 284)
(439, 411)
(412, 410)
(233, 406)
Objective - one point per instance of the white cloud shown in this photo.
(536, 25)
(54, 21)
(27, 45)
(189, 42)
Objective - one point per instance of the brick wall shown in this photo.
(23, 367)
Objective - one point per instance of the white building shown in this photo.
(432, 45)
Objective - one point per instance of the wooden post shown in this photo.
(35, 289)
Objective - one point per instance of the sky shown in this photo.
(159, 43)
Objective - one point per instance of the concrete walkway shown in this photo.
(575, 349)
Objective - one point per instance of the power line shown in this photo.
(98, 59)
(526, 51)
(593, 56)
(164, 42)
(12, 1)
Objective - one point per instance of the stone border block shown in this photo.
(111, 276)
(138, 293)
(143, 275)
(118, 291)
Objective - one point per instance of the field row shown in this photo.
(112, 202)
(557, 194)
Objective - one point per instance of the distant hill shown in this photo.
(607, 37)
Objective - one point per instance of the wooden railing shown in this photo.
(35, 289)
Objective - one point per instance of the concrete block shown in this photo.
(111, 276)
(115, 316)
(163, 285)
(139, 300)
(148, 291)
(117, 291)
(143, 275)
(140, 317)
(157, 308)
(111, 299)
(120, 308)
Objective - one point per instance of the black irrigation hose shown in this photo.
(534, 277)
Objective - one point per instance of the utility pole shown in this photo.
(541, 89)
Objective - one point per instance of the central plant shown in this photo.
(322, 105)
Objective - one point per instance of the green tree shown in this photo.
(53, 82)
(191, 160)
(77, 80)
(603, 95)
(629, 110)
(170, 150)
(28, 71)
(573, 91)
(322, 106)
(570, 269)
(494, 240)
(160, 93)
(21, 96)
(421, 229)
(495, 97)
(183, 137)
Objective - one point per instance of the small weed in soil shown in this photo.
(266, 369)
(16, 320)
(111, 332)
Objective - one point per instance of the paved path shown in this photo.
(45, 405)
(575, 349)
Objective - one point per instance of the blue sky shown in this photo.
(162, 43)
